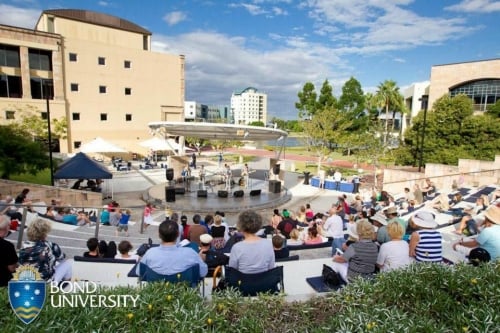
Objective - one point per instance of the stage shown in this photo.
(255, 196)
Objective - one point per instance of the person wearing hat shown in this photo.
(488, 238)
(287, 224)
(380, 223)
(425, 242)
(205, 245)
(392, 216)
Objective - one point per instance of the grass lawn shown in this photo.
(41, 178)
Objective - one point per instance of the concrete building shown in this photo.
(416, 99)
(249, 105)
(480, 80)
(100, 72)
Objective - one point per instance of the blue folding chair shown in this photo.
(191, 276)
(270, 281)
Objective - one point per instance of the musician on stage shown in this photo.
(186, 177)
(229, 177)
(202, 175)
(245, 173)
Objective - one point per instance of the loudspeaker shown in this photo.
(254, 193)
(276, 169)
(170, 194)
(222, 194)
(202, 193)
(238, 194)
(180, 190)
(169, 173)
(274, 186)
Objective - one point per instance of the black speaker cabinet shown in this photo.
(238, 194)
(222, 194)
(274, 186)
(180, 190)
(169, 173)
(276, 169)
(202, 193)
(254, 193)
(170, 194)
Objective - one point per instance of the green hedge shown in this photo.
(421, 298)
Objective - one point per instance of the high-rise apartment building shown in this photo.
(249, 105)
(97, 70)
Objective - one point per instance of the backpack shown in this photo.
(330, 277)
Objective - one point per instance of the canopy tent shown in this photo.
(81, 166)
(99, 145)
(160, 144)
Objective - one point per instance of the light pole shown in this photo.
(421, 162)
(47, 86)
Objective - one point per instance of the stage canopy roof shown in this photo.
(214, 131)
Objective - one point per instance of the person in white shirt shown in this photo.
(334, 227)
(337, 177)
(395, 253)
(123, 251)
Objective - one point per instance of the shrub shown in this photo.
(420, 298)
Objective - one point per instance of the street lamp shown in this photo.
(47, 86)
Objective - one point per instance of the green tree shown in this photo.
(307, 103)
(494, 110)
(19, 153)
(326, 98)
(389, 98)
(352, 102)
(257, 123)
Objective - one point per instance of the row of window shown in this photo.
(11, 115)
(11, 87)
(38, 59)
(102, 89)
(101, 61)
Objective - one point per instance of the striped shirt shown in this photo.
(362, 257)
(429, 247)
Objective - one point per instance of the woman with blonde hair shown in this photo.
(295, 238)
(46, 256)
(395, 253)
(359, 258)
(219, 232)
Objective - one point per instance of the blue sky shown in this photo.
(278, 45)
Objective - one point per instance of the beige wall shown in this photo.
(444, 77)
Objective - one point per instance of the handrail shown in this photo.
(442, 176)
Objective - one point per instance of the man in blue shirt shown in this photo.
(168, 258)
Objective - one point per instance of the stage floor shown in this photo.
(190, 202)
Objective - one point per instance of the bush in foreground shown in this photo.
(421, 298)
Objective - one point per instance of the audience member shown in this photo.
(124, 248)
(148, 215)
(392, 216)
(168, 258)
(280, 249)
(254, 254)
(309, 213)
(185, 226)
(334, 228)
(196, 230)
(359, 258)
(380, 223)
(313, 236)
(93, 246)
(220, 233)
(8, 260)
(468, 224)
(425, 242)
(295, 238)
(46, 256)
(395, 253)
(287, 224)
(417, 193)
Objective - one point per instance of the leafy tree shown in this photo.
(307, 101)
(326, 98)
(452, 132)
(19, 153)
(294, 126)
(388, 97)
(352, 101)
(494, 110)
(257, 123)
(280, 123)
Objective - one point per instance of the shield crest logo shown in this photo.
(27, 293)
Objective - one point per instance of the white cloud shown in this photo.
(279, 11)
(19, 17)
(476, 6)
(103, 3)
(174, 17)
(400, 60)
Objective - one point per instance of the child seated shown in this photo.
(280, 250)
(93, 246)
(123, 251)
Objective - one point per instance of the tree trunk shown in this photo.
(386, 120)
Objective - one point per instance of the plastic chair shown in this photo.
(252, 284)
(190, 275)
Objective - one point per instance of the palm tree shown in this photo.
(388, 97)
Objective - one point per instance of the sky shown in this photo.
(276, 46)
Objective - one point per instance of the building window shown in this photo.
(127, 64)
(40, 59)
(41, 88)
(104, 116)
(128, 117)
(9, 56)
(482, 92)
(128, 91)
(102, 89)
(77, 144)
(75, 116)
(10, 86)
(74, 87)
(10, 115)
(101, 61)
(73, 57)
